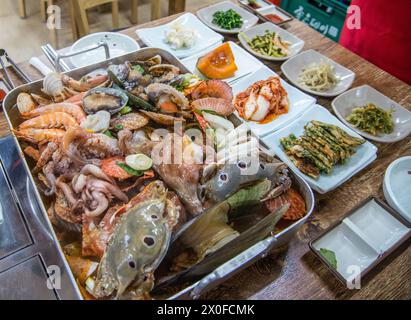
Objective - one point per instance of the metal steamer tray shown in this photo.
(42, 252)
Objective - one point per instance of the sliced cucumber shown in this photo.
(139, 162)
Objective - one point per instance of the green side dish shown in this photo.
(372, 119)
(269, 44)
(320, 148)
(227, 19)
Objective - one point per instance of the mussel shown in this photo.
(120, 75)
(108, 99)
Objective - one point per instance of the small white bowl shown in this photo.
(119, 44)
(206, 15)
(397, 186)
(293, 67)
(296, 44)
(360, 96)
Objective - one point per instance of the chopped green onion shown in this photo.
(227, 19)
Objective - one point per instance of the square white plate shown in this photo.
(296, 44)
(206, 15)
(299, 102)
(293, 67)
(360, 96)
(363, 238)
(155, 37)
(245, 62)
(365, 154)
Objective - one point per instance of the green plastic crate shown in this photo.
(325, 16)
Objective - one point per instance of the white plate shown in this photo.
(119, 44)
(397, 186)
(299, 102)
(360, 96)
(296, 44)
(206, 15)
(245, 62)
(365, 154)
(293, 67)
(155, 37)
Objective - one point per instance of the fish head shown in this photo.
(234, 175)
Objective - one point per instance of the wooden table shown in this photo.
(293, 272)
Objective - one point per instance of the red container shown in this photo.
(276, 2)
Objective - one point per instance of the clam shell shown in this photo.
(160, 69)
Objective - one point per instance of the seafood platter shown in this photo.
(130, 226)
(159, 178)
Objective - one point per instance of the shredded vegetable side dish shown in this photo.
(270, 44)
(372, 119)
(318, 77)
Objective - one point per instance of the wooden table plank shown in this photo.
(292, 272)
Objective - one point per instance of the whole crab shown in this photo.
(139, 243)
